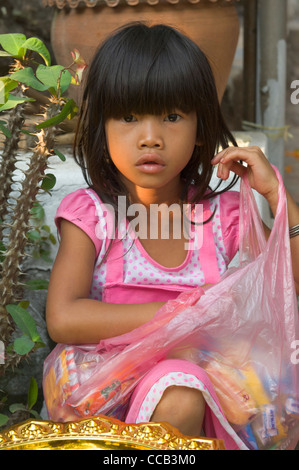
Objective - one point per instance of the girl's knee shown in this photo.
(187, 397)
(183, 407)
(185, 401)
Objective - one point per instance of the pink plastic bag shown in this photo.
(243, 332)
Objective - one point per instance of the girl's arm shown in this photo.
(71, 316)
(263, 179)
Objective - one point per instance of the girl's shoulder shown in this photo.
(80, 203)
(84, 209)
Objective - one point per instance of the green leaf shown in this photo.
(45, 255)
(24, 131)
(13, 101)
(69, 110)
(17, 407)
(60, 155)
(23, 345)
(50, 76)
(24, 304)
(33, 235)
(12, 43)
(36, 45)
(46, 228)
(4, 129)
(2, 250)
(32, 393)
(52, 239)
(37, 284)
(37, 211)
(27, 76)
(35, 414)
(39, 344)
(3, 419)
(6, 85)
(3, 398)
(24, 321)
(5, 54)
(48, 182)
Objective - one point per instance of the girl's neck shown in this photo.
(147, 196)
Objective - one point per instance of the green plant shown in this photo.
(25, 409)
(20, 213)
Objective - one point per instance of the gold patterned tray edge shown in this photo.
(103, 433)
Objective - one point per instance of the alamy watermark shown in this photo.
(295, 93)
(295, 354)
(164, 221)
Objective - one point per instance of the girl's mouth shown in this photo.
(150, 163)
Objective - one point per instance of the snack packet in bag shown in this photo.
(243, 332)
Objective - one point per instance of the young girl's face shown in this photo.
(151, 151)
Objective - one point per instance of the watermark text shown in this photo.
(295, 354)
(163, 221)
(295, 93)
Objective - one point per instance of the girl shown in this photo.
(149, 129)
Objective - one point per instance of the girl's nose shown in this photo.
(150, 134)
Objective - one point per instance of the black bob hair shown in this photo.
(144, 69)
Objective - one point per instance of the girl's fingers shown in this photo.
(224, 169)
(251, 155)
(260, 173)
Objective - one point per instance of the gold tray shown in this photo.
(100, 433)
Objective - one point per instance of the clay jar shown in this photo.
(214, 26)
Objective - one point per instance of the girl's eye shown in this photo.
(129, 118)
(174, 117)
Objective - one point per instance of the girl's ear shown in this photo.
(199, 143)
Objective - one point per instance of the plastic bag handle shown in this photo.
(252, 236)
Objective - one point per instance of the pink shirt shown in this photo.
(84, 209)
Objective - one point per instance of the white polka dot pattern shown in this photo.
(140, 269)
(155, 393)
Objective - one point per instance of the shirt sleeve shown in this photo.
(229, 210)
(80, 208)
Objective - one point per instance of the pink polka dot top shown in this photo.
(84, 209)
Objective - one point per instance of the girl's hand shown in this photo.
(263, 179)
(260, 173)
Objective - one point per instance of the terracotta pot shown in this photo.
(213, 26)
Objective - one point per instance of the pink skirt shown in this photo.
(182, 373)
